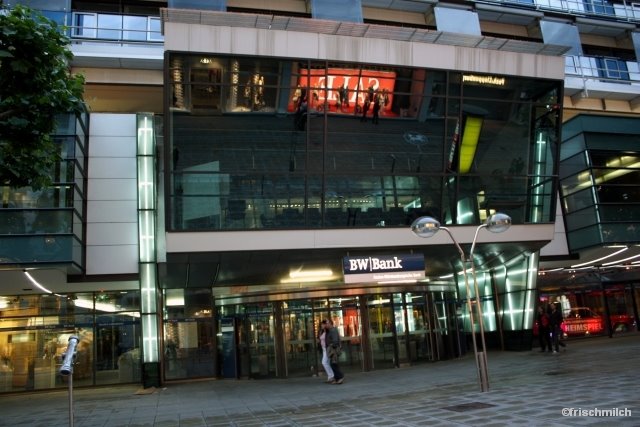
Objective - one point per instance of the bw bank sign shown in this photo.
(383, 268)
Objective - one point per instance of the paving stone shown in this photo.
(524, 390)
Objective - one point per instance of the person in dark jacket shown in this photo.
(376, 109)
(543, 330)
(555, 320)
(334, 350)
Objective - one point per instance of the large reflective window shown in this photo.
(35, 332)
(262, 143)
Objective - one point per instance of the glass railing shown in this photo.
(108, 27)
(27, 249)
(611, 70)
(625, 10)
(115, 28)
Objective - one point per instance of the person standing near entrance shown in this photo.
(333, 351)
(543, 330)
(555, 320)
(322, 337)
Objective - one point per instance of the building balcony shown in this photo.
(606, 78)
(625, 11)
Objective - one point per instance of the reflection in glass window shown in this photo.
(109, 27)
(85, 25)
(613, 68)
(337, 10)
(457, 21)
(155, 29)
(562, 34)
(135, 27)
(219, 5)
(292, 144)
(599, 7)
(36, 331)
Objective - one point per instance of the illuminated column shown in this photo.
(146, 162)
(541, 186)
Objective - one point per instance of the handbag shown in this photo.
(334, 353)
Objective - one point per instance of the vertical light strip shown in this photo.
(489, 309)
(510, 305)
(147, 288)
(540, 149)
(147, 237)
(469, 143)
(532, 277)
(149, 338)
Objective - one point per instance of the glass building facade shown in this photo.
(600, 172)
(47, 225)
(35, 331)
(262, 143)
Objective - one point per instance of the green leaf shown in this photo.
(35, 85)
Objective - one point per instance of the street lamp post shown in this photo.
(427, 226)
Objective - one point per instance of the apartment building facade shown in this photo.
(237, 161)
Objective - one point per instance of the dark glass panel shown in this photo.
(581, 219)
(579, 200)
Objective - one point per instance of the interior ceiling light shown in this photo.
(310, 273)
(626, 169)
(588, 267)
(35, 282)
(600, 259)
(387, 282)
(306, 276)
(622, 260)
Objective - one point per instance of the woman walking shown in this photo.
(322, 337)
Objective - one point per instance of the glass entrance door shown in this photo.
(382, 325)
(259, 336)
(188, 350)
(345, 314)
(419, 343)
(299, 337)
(446, 326)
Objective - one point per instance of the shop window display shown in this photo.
(35, 333)
(591, 311)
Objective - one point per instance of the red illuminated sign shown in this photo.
(344, 89)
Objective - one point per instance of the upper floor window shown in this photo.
(613, 68)
(600, 7)
(219, 5)
(116, 27)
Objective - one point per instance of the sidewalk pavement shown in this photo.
(526, 389)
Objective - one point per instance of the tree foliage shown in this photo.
(35, 85)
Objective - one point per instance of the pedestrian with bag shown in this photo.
(326, 364)
(334, 350)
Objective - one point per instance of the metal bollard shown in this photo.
(67, 370)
